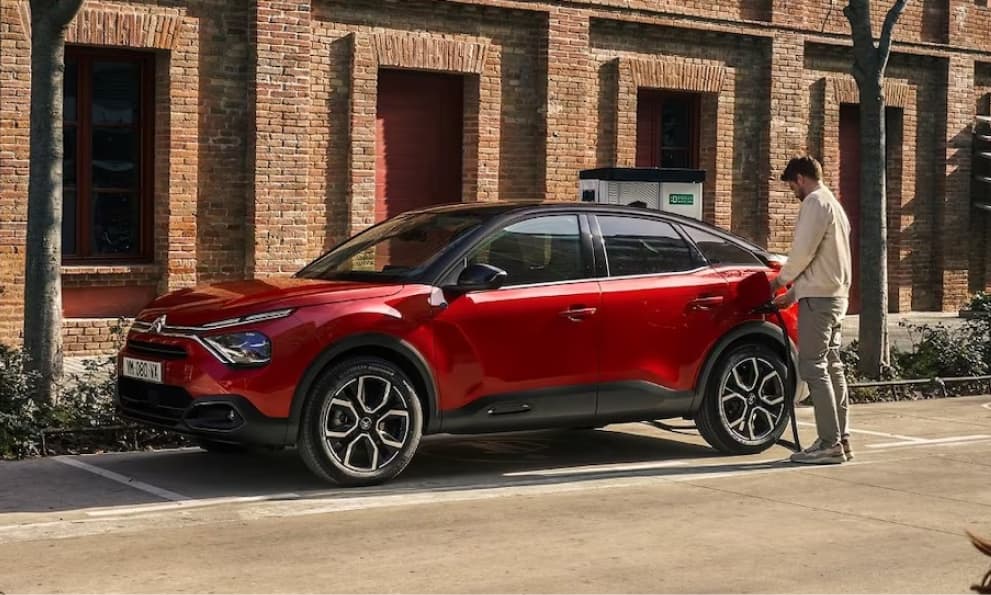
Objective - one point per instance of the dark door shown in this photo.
(850, 190)
(418, 141)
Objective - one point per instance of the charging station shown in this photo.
(677, 191)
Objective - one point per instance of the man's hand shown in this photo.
(785, 300)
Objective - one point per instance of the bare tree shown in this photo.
(870, 59)
(42, 270)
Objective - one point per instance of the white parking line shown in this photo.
(187, 504)
(597, 469)
(123, 479)
(986, 405)
(872, 433)
(951, 439)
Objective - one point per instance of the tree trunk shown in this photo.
(873, 238)
(42, 272)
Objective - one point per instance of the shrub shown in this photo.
(980, 302)
(20, 416)
(943, 352)
(83, 419)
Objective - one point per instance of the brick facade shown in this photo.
(265, 115)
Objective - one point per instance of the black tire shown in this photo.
(756, 366)
(226, 448)
(360, 434)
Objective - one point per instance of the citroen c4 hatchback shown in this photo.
(468, 319)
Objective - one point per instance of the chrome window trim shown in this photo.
(603, 279)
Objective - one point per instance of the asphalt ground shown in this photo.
(627, 508)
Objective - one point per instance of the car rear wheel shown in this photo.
(362, 423)
(745, 408)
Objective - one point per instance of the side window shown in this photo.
(644, 247)
(538, 250)
(720, 251)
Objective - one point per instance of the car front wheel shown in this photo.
(362, 423)
(745, 408)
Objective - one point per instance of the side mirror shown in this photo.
(478, 277)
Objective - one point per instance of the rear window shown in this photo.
(636, 246)
(719, 251)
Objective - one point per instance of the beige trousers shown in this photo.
(819, 364)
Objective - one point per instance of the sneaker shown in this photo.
(832, 455)
(816, 445)
(847, 451)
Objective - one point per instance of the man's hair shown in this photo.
(805, 166)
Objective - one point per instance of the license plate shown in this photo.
(142, 370)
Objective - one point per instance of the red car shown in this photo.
(469, 319)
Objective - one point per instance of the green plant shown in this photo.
(980, 302)
(21, 416)
(943, 352)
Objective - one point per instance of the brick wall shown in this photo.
(504, 100)
(93, 336)
(265, 116)
(199, 202)
(954, 211)
(923, 20)
(728, 147)
(222, 174)
(279, 108)
(912, 88)
(15, 88)
(969, 23)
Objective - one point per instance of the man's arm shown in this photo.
(813, 221)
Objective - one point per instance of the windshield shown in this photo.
(396, 248)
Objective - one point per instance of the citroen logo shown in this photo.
(158, 325)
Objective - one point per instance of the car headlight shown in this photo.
(248, 348)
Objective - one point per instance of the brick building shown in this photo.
(211, 140)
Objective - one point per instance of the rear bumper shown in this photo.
(221, 418)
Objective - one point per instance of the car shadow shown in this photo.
(443, 463)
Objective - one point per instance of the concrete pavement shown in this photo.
(625, 509)
(898, 335)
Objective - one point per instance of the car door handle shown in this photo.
(578, 313)
(706, 302)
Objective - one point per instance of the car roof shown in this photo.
(511, 206)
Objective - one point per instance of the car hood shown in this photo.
(220, 301)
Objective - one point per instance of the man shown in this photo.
(820, 270)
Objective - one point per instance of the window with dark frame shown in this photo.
(544, 249)
(636, 246)
(108, 108)
(720, 251)
(667, 129)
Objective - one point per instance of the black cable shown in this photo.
(769, 307)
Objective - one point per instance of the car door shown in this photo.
(663, 308)
(523, 355)
(732, 261)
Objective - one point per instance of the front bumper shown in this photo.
(221, 418)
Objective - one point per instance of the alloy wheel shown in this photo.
(752, 400)
(365, 424)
